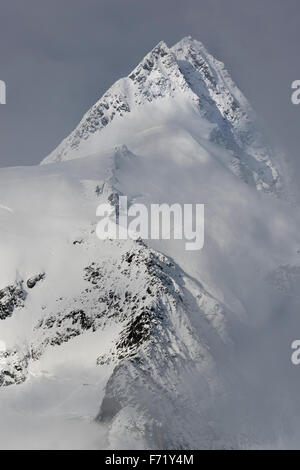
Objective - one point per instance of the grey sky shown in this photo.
(58, 57)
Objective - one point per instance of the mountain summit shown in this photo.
(125, 344)
(183, 79)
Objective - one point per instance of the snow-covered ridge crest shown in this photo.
(186, 74)
(156, 344)
(150, 80)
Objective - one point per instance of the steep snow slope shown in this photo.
(189, 75)
(142, 344)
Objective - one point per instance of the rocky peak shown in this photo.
(185, 73)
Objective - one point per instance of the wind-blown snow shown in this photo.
(122, 344)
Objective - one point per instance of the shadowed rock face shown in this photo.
(146, 313)
(11, 297)
(31, 282)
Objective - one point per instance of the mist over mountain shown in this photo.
(123, 344)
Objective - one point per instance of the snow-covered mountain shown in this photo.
(189, 75)
(142, 344)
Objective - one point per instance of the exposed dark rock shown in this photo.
(11, 297)
(14, 368)
(109, 408)
(32, 281)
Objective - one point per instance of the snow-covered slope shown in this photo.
(189, 76)
(142, 344)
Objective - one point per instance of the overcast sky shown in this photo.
(57, 58)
